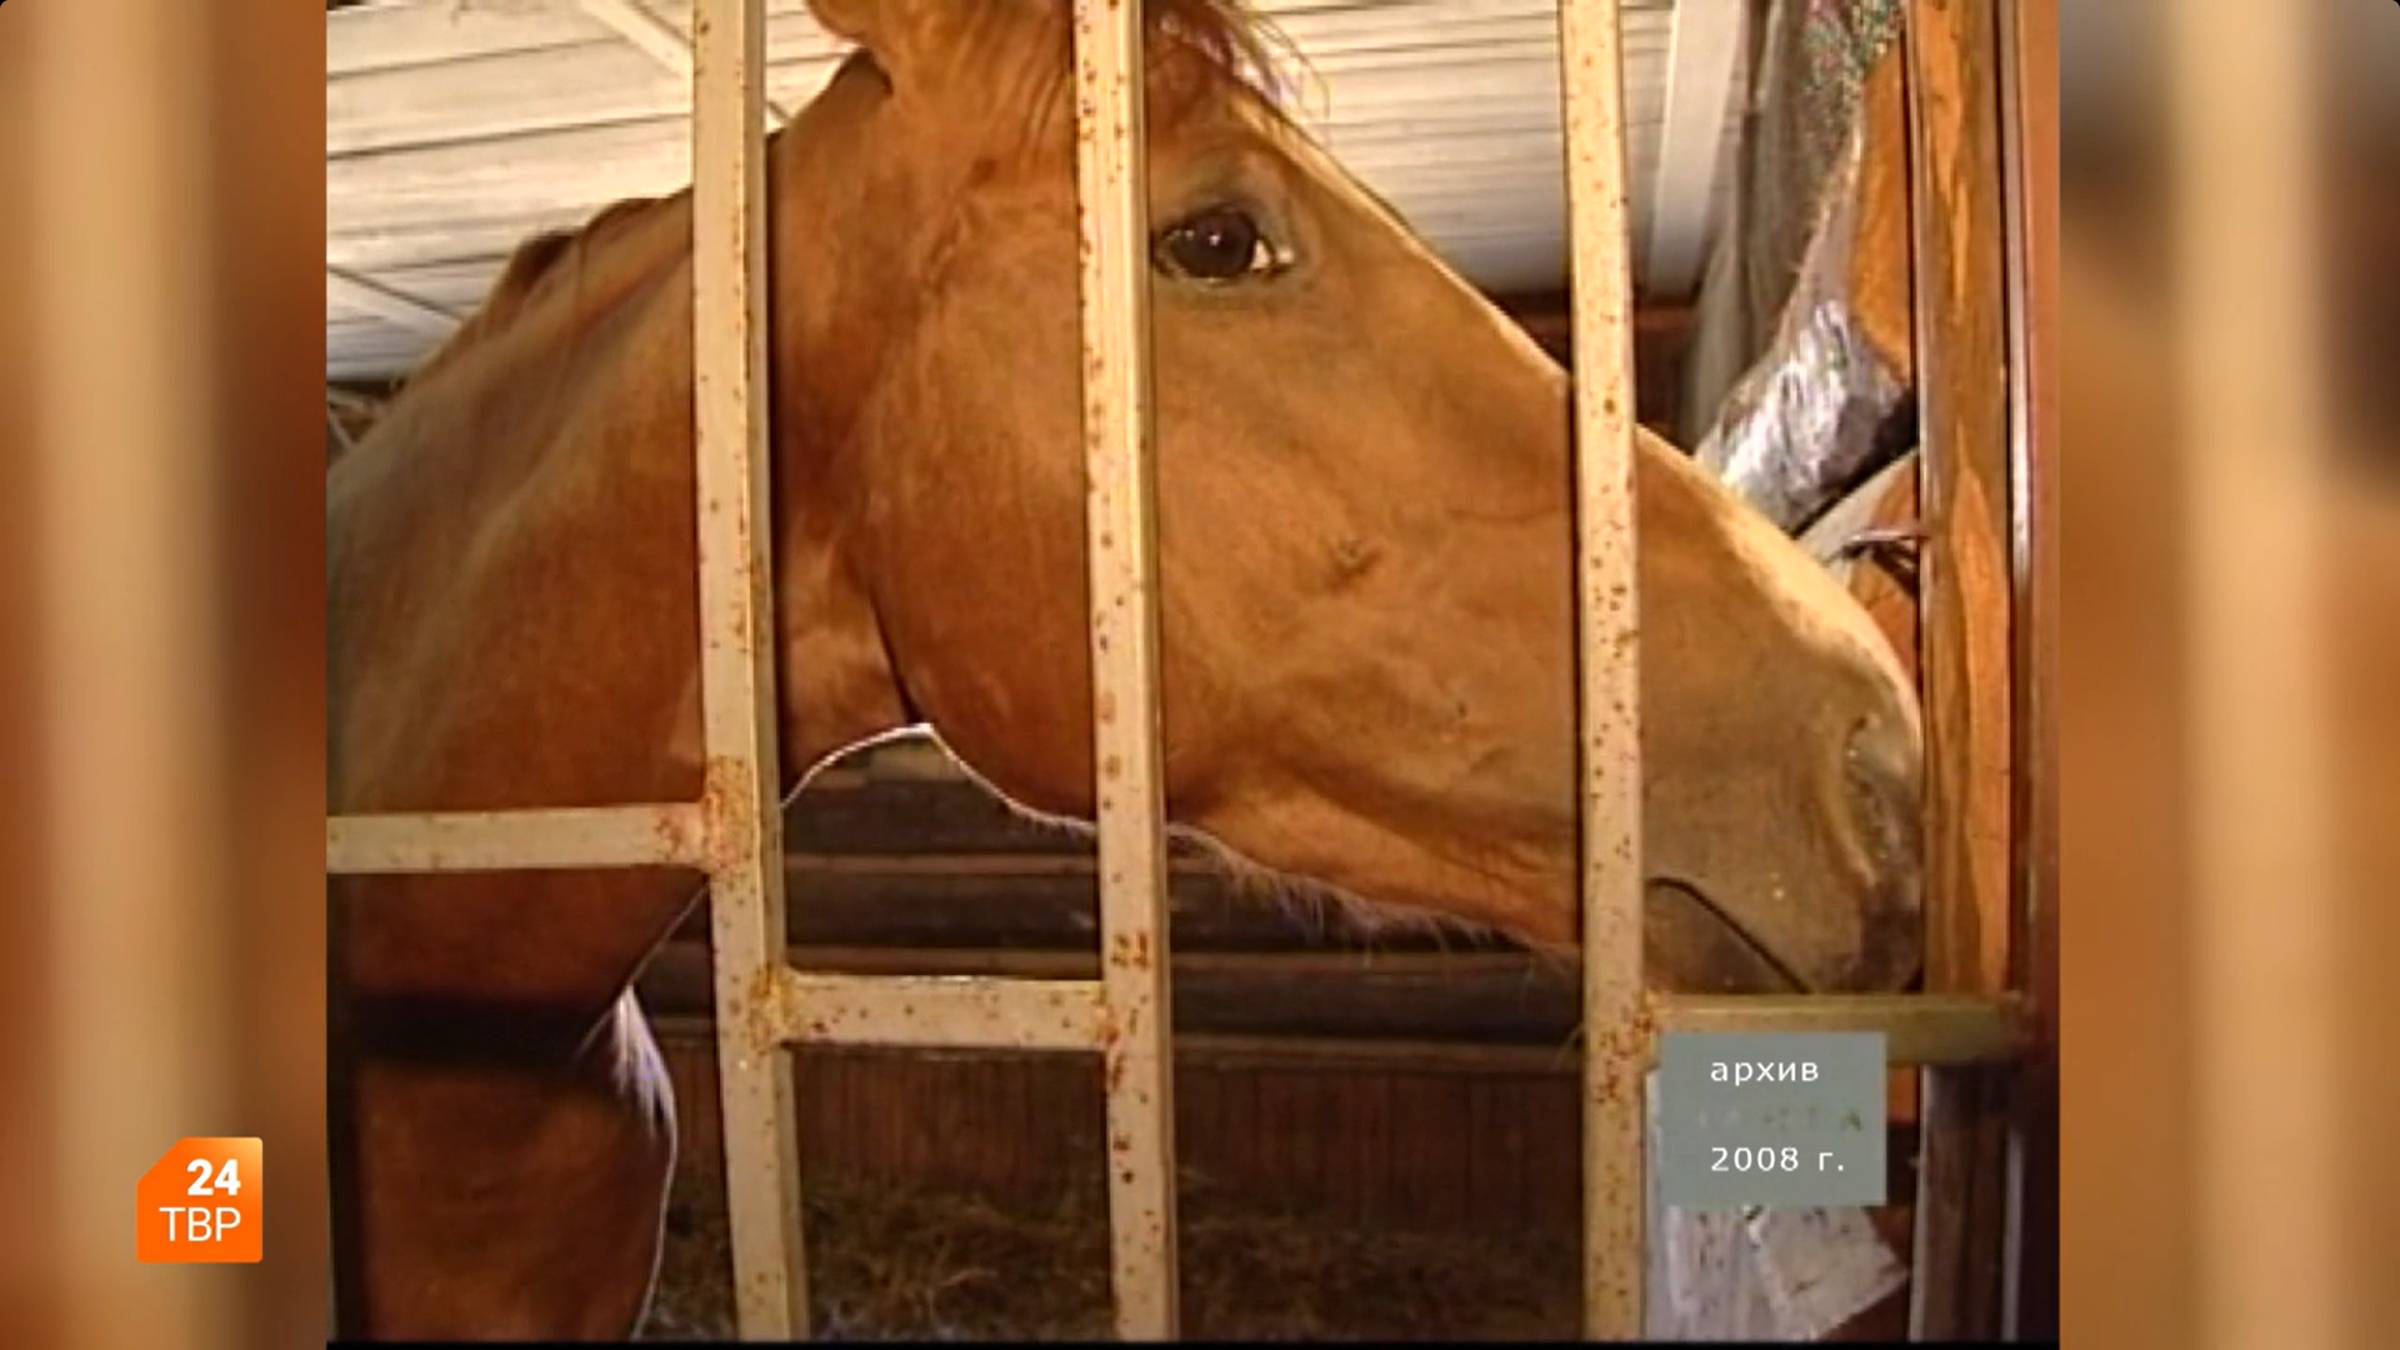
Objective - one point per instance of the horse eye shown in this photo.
(1222, 243)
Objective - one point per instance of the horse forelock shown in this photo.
(1229, 38)
(1021, 58)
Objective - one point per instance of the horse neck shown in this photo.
(541, 483)
(840, 276)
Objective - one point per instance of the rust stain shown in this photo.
(727, 814)
(759, 1011)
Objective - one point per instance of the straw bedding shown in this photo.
(890, 1262)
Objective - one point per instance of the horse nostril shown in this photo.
(1882, 772)
(1880, 768)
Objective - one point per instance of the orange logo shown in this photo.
(202, 1202)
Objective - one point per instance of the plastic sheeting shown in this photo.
(1789, 1274)
(1809, 418)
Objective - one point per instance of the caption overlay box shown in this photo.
(1771, 1118)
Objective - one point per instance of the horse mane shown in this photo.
(532, 264)
(1229, 42)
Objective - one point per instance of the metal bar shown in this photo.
(1616, 1034)
(1129, 794)
(1919, 1028)
(742, 793)
(661, 834)
(963, 1011)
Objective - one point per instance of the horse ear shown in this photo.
(897, 32)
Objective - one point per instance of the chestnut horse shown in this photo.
(1368, 636)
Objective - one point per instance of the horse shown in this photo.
(1368, 651)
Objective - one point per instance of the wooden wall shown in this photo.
(1388, 1144)
(1404, 1080)
(1401, 1079)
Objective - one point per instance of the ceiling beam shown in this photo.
(1703, 52)
(665, 44)
(393, 305)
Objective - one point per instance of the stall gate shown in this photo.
(733, 833)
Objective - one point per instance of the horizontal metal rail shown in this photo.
(657, 834)
(1918, 1028)
(986, 1012)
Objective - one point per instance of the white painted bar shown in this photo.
(738, 708)
(1121, 523)
(659, 834)
(1616, 1030)
(956, 1011)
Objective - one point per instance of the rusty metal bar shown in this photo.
(742, 793)
(661, 834)
(1129, 792)
(962, 1011)
(1918, 1028)
(1616, 1034)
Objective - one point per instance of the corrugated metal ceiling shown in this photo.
(455, 128)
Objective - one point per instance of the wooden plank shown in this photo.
(1277, 1124)
(1963, 410)
(1373, 1134)
(486, 103)
(392, 36)
(1414, 1152)
(938, 905)
(1046, 900)
(1345, 1097)
(530, 181)
(1705, 51)
(1965, 632)
(1429, 997)
(1449, 1140)
(2029, 46)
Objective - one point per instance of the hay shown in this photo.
(888, 1262)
